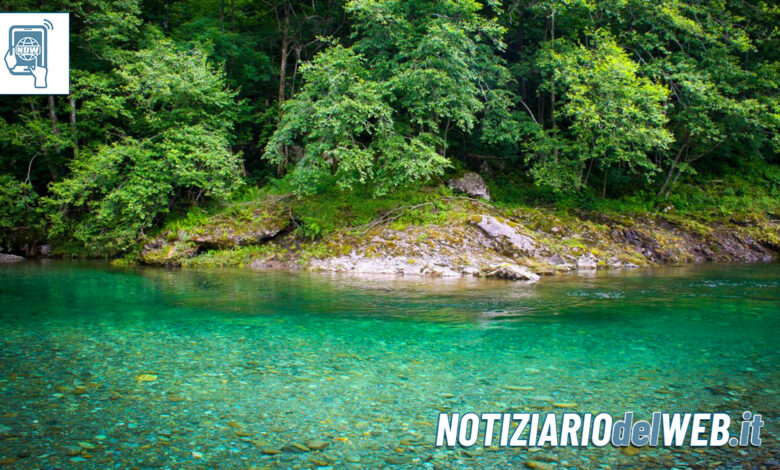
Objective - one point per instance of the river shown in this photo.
(104, 367)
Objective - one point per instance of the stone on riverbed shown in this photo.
(398, 459)
(629, 450)
(74, 450)
(511, 271)
(538, 465)
(295, 448)
(317, 444)
(471, 184)
(318, 461)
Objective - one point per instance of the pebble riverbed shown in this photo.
(148, 368)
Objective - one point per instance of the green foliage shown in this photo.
(175, 149)
(634, 106)
(18, 209)
(612, 116)
(335, 210)
(381, 111)
(345, 125)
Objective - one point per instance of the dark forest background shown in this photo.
(184, 103)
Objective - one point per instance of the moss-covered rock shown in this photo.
(224, 232)
(162, 253)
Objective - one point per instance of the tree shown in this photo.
(609, 115)
(417, 71)
(346, 126)
(173, 149)
(717, 59)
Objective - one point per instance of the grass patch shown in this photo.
(240, 256)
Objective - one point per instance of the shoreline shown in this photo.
(352, 276)
(465, 238)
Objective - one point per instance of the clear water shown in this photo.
(246, 362)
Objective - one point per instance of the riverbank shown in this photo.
(439, 232)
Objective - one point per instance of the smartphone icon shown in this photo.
(29, 46)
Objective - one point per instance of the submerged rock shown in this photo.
(535, 464)
(317, 444)
(295, 448)
(5, 431)
(629, 450)
(146, 378)
(318, 461)
(511, 271)
(471, 184)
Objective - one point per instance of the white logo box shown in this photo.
(35, 52)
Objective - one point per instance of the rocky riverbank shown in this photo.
(467, 237)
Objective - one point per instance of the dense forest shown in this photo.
(182, 103)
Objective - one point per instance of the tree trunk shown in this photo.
(53, 116)
(283, 61)
(587, 175)
(552, 88)
(55, 130)
(297, 51)
(74, 138)
(284, 29)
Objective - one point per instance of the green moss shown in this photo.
(432, 218)
(241, 256)
(575, 243)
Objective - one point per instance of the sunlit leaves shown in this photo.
(609, 115)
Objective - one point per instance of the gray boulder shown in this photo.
(587, 261)
(471, 184)
(511, 271)
(506, 234)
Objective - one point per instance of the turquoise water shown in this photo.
(239, 365)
